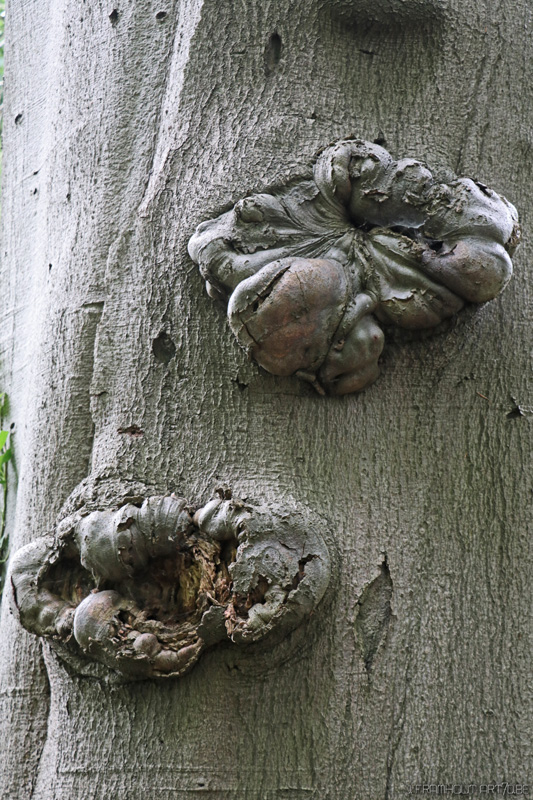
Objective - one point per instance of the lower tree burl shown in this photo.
(145, 588)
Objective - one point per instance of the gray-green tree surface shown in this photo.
(126, 126)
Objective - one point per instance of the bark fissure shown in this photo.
(374, 615)
(41, 759)
(187, 19)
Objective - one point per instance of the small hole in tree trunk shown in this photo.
(163, 348)
(273, 53)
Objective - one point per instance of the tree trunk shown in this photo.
(127, 126)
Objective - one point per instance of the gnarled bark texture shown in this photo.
(125, 127)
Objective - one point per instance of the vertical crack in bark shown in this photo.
(398, 723)
(397, 730)
(188, 18)
(95, 310)
(37, 771)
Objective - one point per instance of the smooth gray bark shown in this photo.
(122, 132)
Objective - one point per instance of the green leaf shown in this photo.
(5, 456)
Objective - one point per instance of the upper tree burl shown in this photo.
(311, 271)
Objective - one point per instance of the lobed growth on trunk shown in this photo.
(311, 270)
(146, 588)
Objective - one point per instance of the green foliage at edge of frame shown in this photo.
(6, 454)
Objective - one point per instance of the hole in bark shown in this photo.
(160, 16)
(485, 189)
(178, 588)
(165, 601)
(132, 430)
(409, 233)
(163, 348)
(380, 139)
(241, 385)
(515, 413)
(301, 571)
(243, 602)
(69, 581)
(436, 246)
(18, 119)
(114, 16)
(273, 53)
